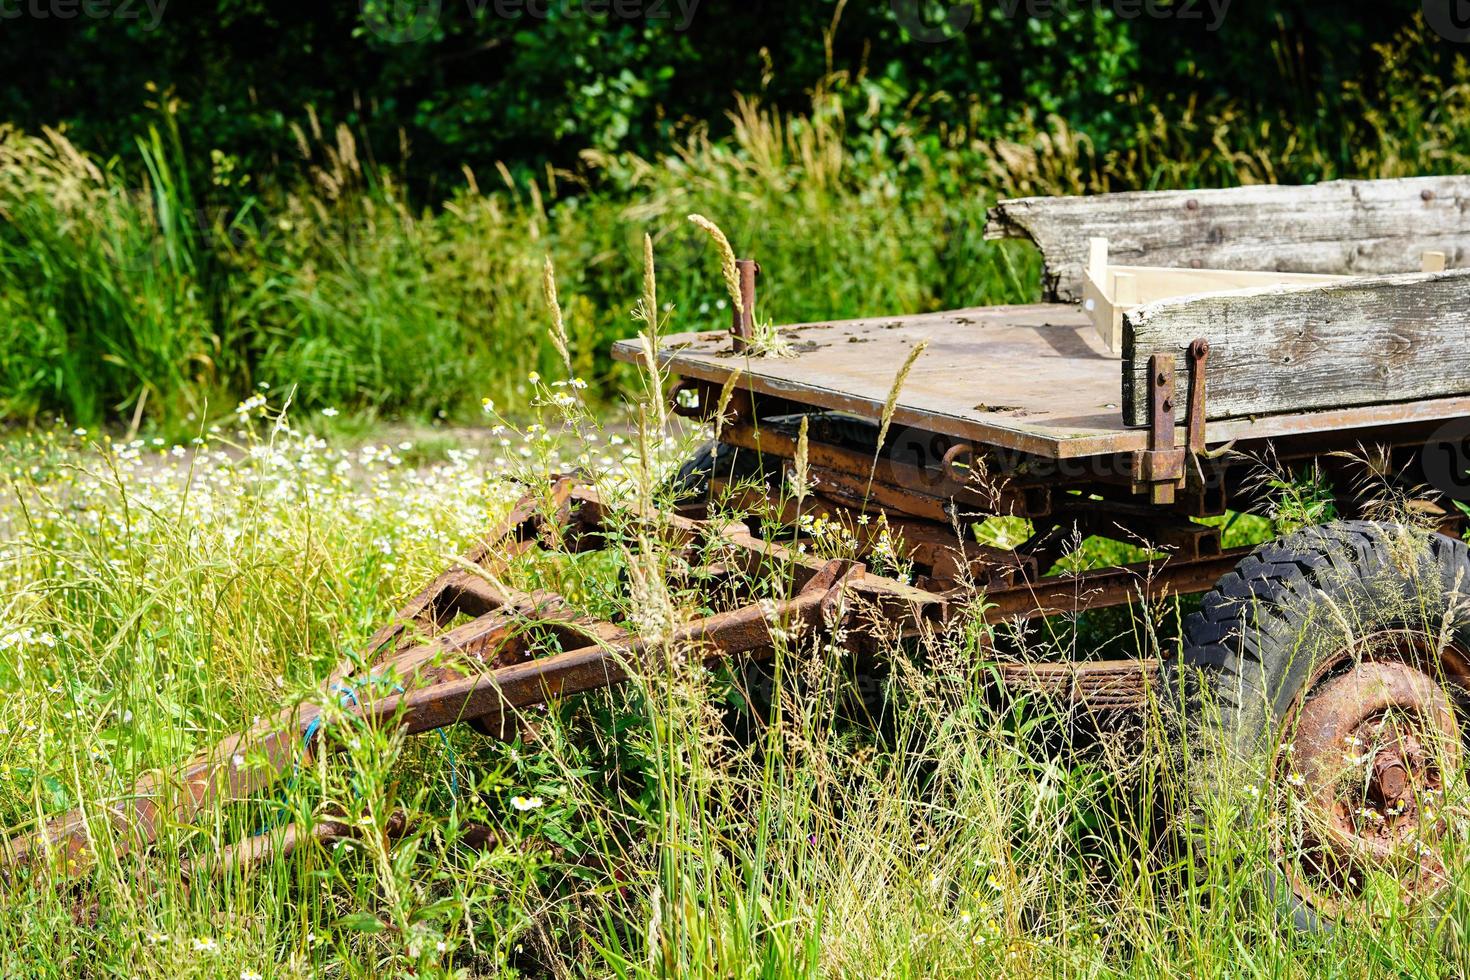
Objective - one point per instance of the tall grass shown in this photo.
(151, 607)
(126, 292)
(105, 290)
(695, 823)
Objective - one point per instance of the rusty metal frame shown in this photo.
(425, 670)
(1160, 468)
(469, 649)
(423, 673)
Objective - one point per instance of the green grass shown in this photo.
(157, 599)
(127, 298)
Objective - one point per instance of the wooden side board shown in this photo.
(1343, 227)
(1371, 341)
(1109, 289)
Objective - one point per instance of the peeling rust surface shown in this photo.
(1371, 751)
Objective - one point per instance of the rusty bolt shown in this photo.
(1162, 379)
(1195, 264)
(1191, 205)
(1426, 194)
(1168, 404)
(1199, 348)
(1392, 778)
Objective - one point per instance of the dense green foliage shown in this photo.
(305, 201)
(477, 81)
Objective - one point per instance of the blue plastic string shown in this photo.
(349, 696)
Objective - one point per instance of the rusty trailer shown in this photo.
(1025, 412)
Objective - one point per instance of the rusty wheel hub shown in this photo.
(1366, 767)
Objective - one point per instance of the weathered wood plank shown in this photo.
(1360, 342)
(1033, 379)
(1343, 227)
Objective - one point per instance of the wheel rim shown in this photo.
(1366, 760)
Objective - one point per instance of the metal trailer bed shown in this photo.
(1022, 411)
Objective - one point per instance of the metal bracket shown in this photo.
(1160, 467)
(742, 323)
(1199, 355)
(704, 399)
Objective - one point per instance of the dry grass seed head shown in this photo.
(650, 286)
(727, 256)
(799, 468)
(653, 611)
(891, 404)
(558, 325)
(649, 337)
(727, 392)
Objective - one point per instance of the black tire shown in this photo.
(1264, 642)
(756, 678)
(730, 463)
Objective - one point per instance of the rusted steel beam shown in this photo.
(934, 546)
(251, 763)
(497, 639)
(483, 670)
(421, 613)
(888, 483)
(1160, 467)
(1138, 524)
(260, 849)
(1195, 411)
(756, 556)
(954, 561)
(1036, 597)
(1118, 586)
(742, 322)
(275, 745)
(750, 628)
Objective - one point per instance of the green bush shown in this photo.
(486, 81)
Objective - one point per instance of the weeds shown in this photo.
(159, 596)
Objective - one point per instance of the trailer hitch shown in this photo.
(1161, 467)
